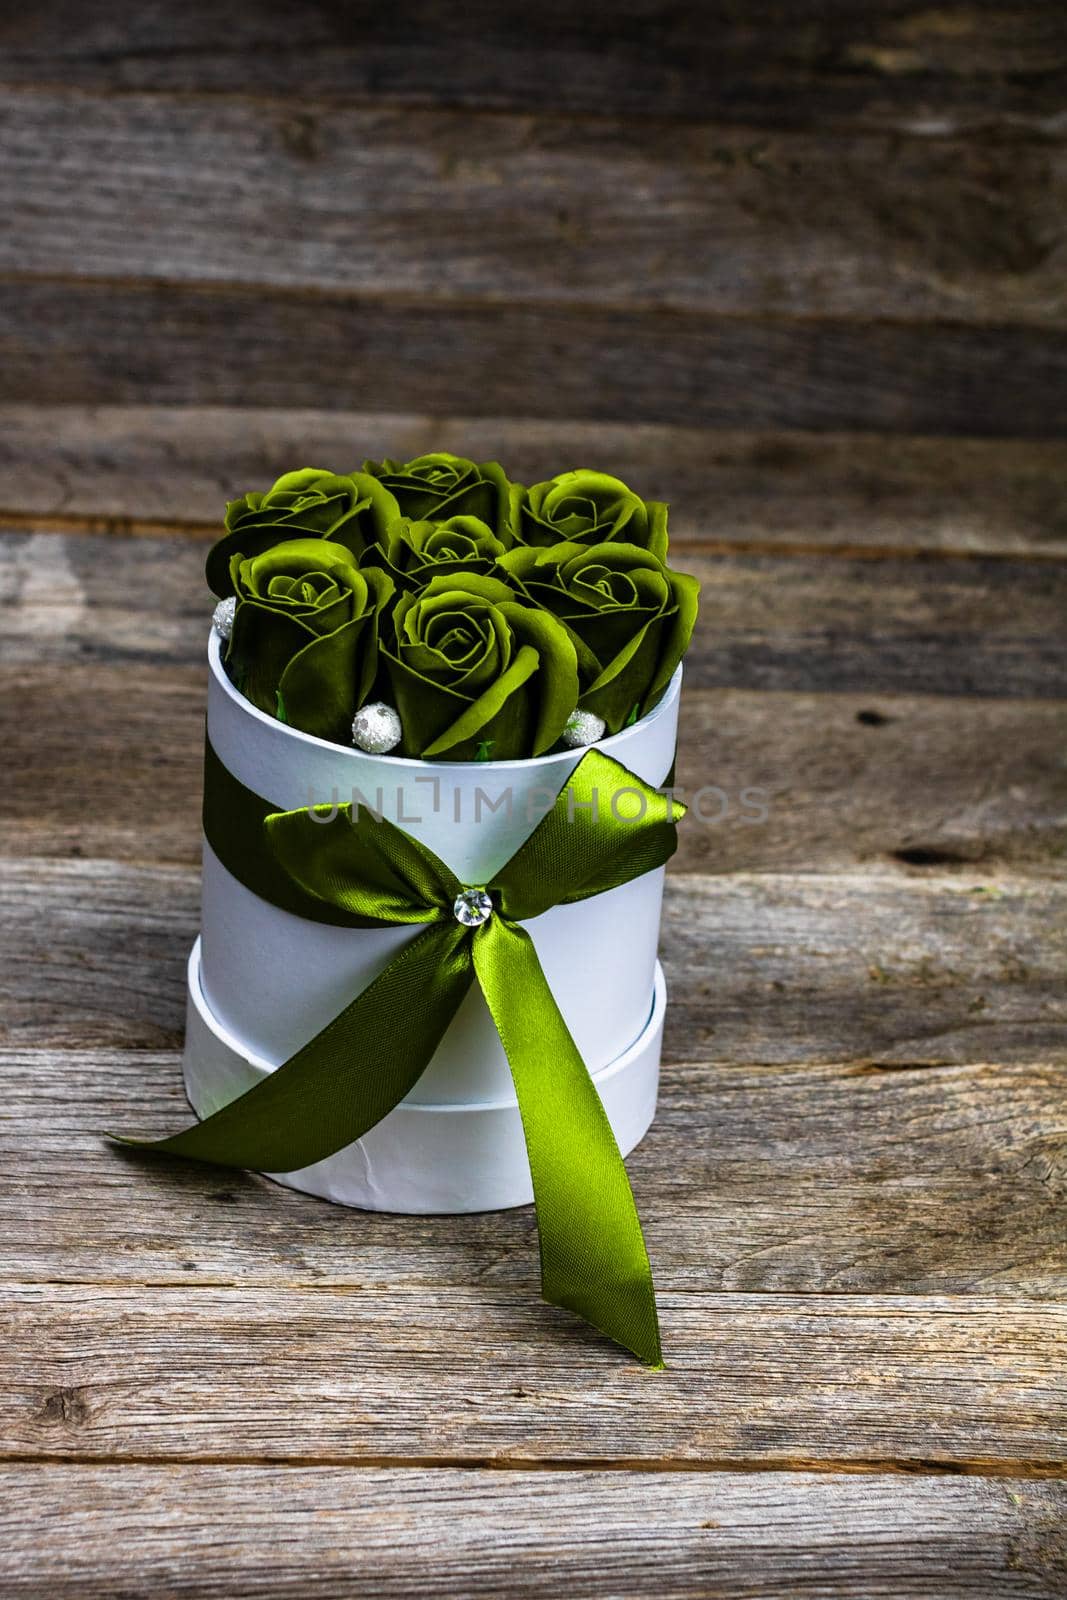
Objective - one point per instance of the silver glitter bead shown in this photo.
(582, 728)
(224, 615)
(376, 728)
(472, 907)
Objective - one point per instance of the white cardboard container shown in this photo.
(262, 981)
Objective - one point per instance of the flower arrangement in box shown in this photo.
(441, 717)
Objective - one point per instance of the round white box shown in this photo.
(262, 981)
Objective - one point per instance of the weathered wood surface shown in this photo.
(702, 219)
(850, 1178)
(123, 341)
(250, 1531)
(751, 266)
(896, 64)
(966, 626)
(764, 968)
(482, 1372)
(863, 967)
(127, 469)
(224, 1533)
(922, 781)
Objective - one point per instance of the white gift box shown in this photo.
(262, 982)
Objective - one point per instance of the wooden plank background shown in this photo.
(801, 271)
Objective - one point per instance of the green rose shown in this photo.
(475, 674)
(304, 640)
(415, 552)
(352, 510)
(587, 508)
(442, 486)
(629, 616)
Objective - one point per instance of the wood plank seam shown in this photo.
(388, 300)
(1052, 1470)
(1040, 130)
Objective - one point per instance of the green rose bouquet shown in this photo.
(434, 608)
(304, 640)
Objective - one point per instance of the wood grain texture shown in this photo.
(780, 781)
(801, 624)
(540, 210)
(862, 967)
(825, 781)
(94, 936)
(892, 64)
(767, 968)
(962, 627)
(230, 1533)
(120, 468)
(125, 341)
(481, 1373)
(846, 1178)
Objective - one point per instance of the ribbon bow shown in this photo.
(361, 871)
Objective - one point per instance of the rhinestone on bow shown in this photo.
(472, 907)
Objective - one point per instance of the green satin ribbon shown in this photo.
(359, 871)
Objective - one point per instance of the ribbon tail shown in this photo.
(345, 1079)
(593, 1255)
